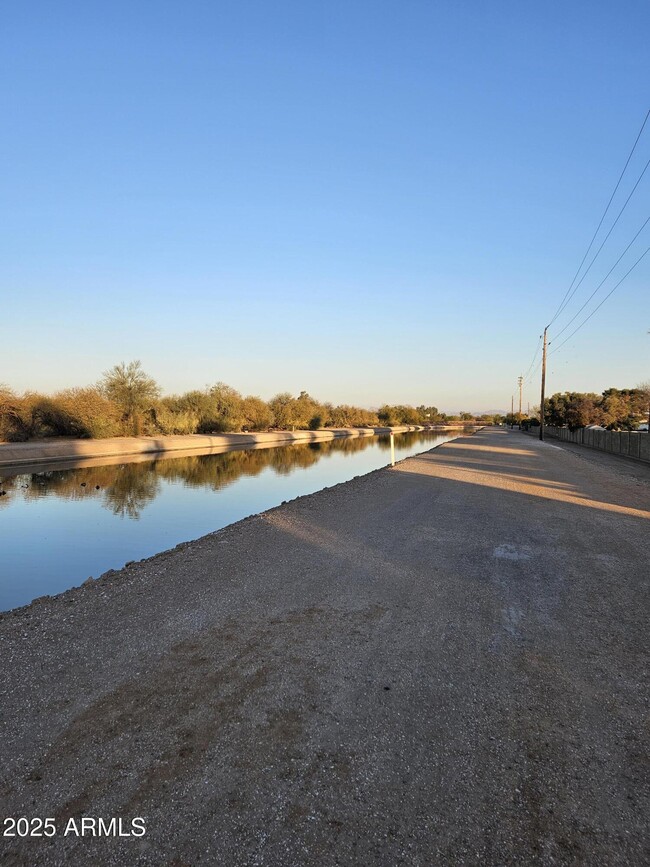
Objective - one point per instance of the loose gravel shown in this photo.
(440, 663)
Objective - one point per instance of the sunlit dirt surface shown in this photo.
(440, 663)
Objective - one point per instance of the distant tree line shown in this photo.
(128, 402)
(614, 409)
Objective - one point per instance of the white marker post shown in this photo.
(392, 449)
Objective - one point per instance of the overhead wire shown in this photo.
(533, 373)
(575, 315)
(573, 287)
(618, 183)
(539, 343)
(611, 292)
(579, 283)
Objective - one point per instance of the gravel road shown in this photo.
(440, 663)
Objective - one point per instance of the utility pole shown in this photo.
(541, 406)
(521, 383)
(512, 411)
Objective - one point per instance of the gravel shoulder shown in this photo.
(440, 663)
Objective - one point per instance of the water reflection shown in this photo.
(62, 524)
(131, 491)
(127, 488)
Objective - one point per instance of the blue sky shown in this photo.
(372, 201)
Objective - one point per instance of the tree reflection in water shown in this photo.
(127, 488)
(134, 488)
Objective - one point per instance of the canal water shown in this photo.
(62, 526)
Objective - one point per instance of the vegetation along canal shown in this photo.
(62, 526)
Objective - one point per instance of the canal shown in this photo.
(61, 526)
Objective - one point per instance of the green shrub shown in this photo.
(174, 421)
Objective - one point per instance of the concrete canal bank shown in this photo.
(60, 449)
(439, 663)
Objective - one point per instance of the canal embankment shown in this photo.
(67, 449)
(440, 662)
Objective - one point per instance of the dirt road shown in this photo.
(440, 663)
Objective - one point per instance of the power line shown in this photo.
(611, 292)
(575, 315)
(573, 287)
(539, 343)
(528, 375)
(533, 373)
(562, 303)
(578, 284)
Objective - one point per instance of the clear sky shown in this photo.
(373, 201)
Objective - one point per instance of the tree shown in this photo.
(643, 391)
(555, 408)
(308, 412)
(387, 415)
(399, 414)
(256, 413)
(132, 390)
(428, 414)
(341, 416)
(196, 407)
(226, 407)
(617, 408)
(580, 411)
(407, 415)
(283, 407)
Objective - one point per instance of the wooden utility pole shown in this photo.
(541, 406)
(521, 384)
(512, 411)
